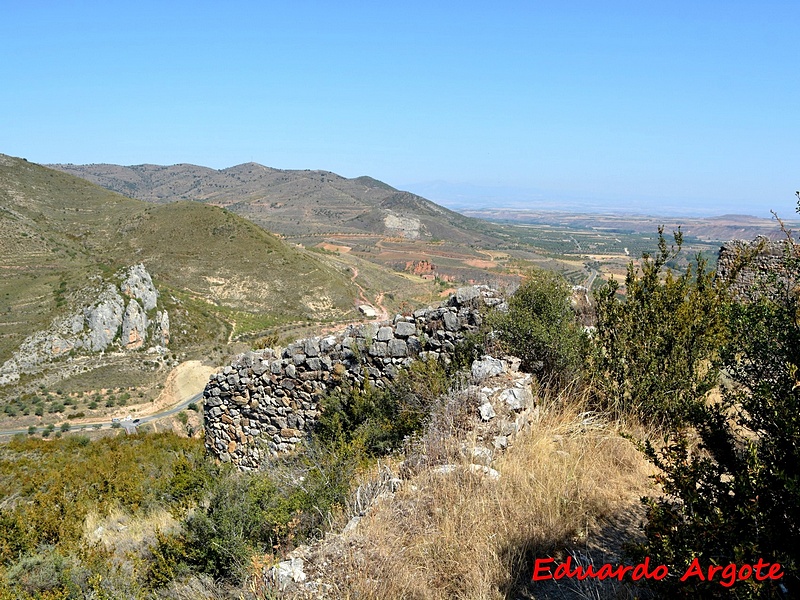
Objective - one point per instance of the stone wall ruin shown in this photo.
(751, 268)
(265, 402)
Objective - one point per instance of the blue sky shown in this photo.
(658, 107)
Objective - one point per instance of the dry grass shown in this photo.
(463, 535)
(124, 534)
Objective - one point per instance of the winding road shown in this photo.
(106, 424)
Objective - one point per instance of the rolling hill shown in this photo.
(293, 202)
(217, 273)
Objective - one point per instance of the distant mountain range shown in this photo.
(291, 202)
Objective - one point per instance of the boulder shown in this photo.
(486, 411)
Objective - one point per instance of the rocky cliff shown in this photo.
(123, 315)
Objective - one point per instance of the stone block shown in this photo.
(397, 348)
(311, 347)
(404, 329)
(378, 349)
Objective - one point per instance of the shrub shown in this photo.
(46, 570)
(654, 350)
(541, 329)
(736, 498)
(58, 483)
(378, 420)
(249, 513)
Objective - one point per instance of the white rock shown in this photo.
(487, 411)
(444, 469)
(487, 367)
(516, 398)
(139, 285)
(481, 455)
(500, 442)
(484, 470)
(351, 524)
(134, 326)
(288, 571)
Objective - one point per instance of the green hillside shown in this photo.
(58, 233)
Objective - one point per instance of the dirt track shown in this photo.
(187, 379)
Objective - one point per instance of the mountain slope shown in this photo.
(293, 202)
(58, 233)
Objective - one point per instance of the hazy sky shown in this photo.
(648, 105)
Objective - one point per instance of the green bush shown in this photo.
(377, 421)
(541, 329)
(59, 482)
(250, 513)
(736, 497)
(46, 570)
(654, 352)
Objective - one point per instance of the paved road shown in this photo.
(592, 277)
(108, 424)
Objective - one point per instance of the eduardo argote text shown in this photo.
(726, 576)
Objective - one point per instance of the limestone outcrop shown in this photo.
(139, 285)
(102, 320)
(116, 318)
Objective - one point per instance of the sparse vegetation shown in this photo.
(147, 516)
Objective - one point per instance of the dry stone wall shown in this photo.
(757, 266)
(265, 402)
